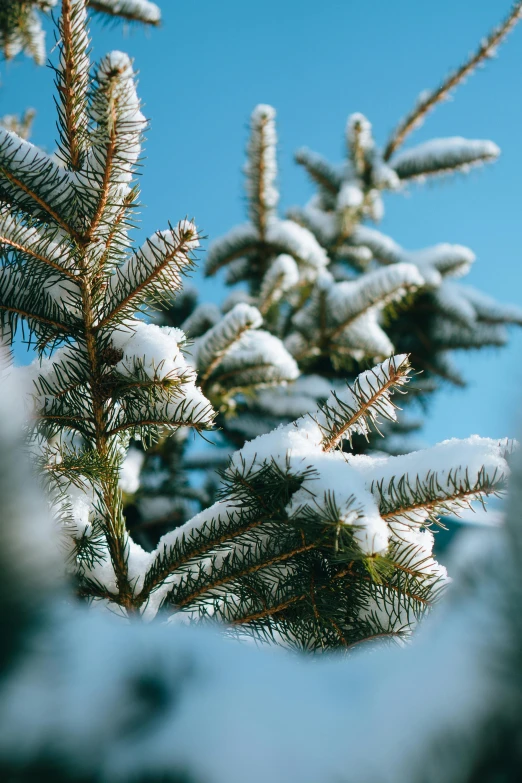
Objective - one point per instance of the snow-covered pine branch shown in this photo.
(261, 168)
(130, 10)
(281, 276)
(439, 156)
(248, 250)
(235, 356)
(299, 520)
(322, 173)
(357, 408)
(431, 98)
(21, 27)
(343, 318)
(72, 82)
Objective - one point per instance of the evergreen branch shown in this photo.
(116, 226)
(241, 241)
(29, 251)
(407, 497)
(130, 10)
(427, 103)
(103, 196)
(440, 156)
(245, 509)
(32, 316)
(149, 272)
(320, 171)
(218, 341)
(170, 423)
(72, 80)
(377, 288)
(261, 168)
(235, 570)
(31, 173)
(360, 404)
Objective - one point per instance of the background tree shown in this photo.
(337, 292)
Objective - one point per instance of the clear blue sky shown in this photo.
(316, 62)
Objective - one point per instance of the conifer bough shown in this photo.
(21, 24)
(307, 545)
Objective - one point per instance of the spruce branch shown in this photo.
(320, 170)
(357, 409)
(427, 102)
(34, 183)
(219, 340)
(150, 272)
(261, 168)
(130, 10)
(72, 82)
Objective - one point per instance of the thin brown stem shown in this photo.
(252, 569)
(216, 361)
(68, 86)
(336, 436)
(145, 283)
(43, 204)
(41, 319)
(30, 252)
(431, 504)
(485, 50)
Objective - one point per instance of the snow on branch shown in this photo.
(249, 249)
(72, 82)
(359, 140)
(376, 289)
(342, 319)
(21, 28)
(130, 10)
(487, 310)
(151, 272)
(287, 237)
(33, 182)
(434, 263)
(149, 359)
(358, 407)
(431, 98)
(21, 23)
(261, 167)
(240, 241)
(20, 241)
(320, 170)
(439, 156)
(235, 354)
(420, 486)
(115, 142)
(281, 276)
(215, 344)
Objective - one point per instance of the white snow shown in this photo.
(130, 470)
(439, 155)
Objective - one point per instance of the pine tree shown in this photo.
(307, 545)
(21, 24)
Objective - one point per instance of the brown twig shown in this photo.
(485, 50)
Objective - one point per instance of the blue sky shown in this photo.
(212, 62)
